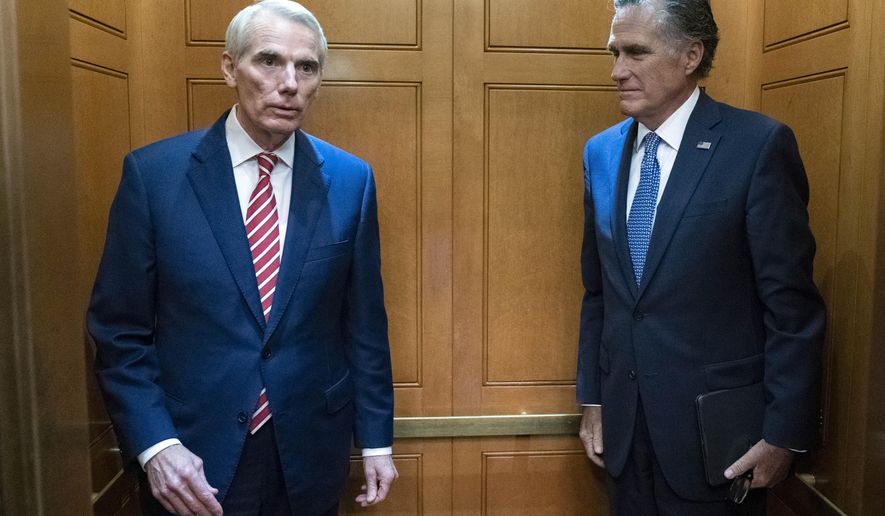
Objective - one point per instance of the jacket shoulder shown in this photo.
(338, 162)
(167, 153)
(335, 154)
(603, 141)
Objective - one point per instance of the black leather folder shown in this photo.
(730, 422)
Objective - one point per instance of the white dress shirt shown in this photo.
(243, 158)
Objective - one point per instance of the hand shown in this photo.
(770, 464)
(380, 476)
(591, 434)
(179, 484)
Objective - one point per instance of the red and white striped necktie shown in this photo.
(263, 230)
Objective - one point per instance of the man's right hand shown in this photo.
(591, 433)
(179, 484)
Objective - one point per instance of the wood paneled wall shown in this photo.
(106, 113)
(43, 435)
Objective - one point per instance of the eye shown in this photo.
(308, 68)
(268, 60)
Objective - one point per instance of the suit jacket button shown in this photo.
(265, 353)
(632, 375)
(242, 417)
(637, 315)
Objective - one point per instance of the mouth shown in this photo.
(626, 94)
(286, 110)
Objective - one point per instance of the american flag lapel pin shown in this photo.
(704, 145)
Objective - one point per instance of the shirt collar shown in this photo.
(242, 147)
(673, 128)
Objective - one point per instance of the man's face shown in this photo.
(653, 80)
(276, 79)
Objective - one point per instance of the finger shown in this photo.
(597, 441)
(384, 488)
(597, 459)
(207, 499)
(172, 503)
(204, 492)
(741, 466)
(371, 485)
(192, 502)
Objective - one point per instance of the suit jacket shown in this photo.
(182, 346)
(726, 300)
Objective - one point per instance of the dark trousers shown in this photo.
(641, 489)
(258, 487)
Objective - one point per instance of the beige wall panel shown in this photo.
(813, 109)
(540, 483)
(786, 19)
(207, 100)
(405, 498)
(357, 118)
(109, 13)
(729, 81)
(92, 45)
(551, 25)
(526, 476)
(534, 229)
(345, 22)
(424, 487)
(101, 139)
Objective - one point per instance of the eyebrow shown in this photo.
(633, 49)
(264, 54)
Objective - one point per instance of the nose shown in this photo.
(619, 70)
(289, 80)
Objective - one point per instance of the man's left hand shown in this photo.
(770, 464)
(380, 476)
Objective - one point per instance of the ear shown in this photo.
(228, 68)
(692, 56)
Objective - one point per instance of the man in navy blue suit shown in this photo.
(697, 266)
(238, 310)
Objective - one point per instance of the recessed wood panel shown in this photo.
(405, 496)
(208, 99)
(534, 217)
(345, 22)
(101, 140)
(108, 13)
(541, 483)
(357, 118)
(576, 25)
(813, 109)
(526, 476)
(787, 19)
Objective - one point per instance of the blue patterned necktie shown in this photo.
(642, 211)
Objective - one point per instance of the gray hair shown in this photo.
(239, 32)
(682, 22)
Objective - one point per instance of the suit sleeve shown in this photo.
(782, 249)
(366, 325)
(588, 382)
(121, 318)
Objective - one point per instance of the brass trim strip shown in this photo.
(481, 426)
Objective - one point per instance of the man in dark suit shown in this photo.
(238, 310)
(697, 265)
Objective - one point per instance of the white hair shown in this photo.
(239, 32)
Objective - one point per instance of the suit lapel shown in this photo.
(309, 188)
(619, 217)
(212, 178)
(689, 167)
